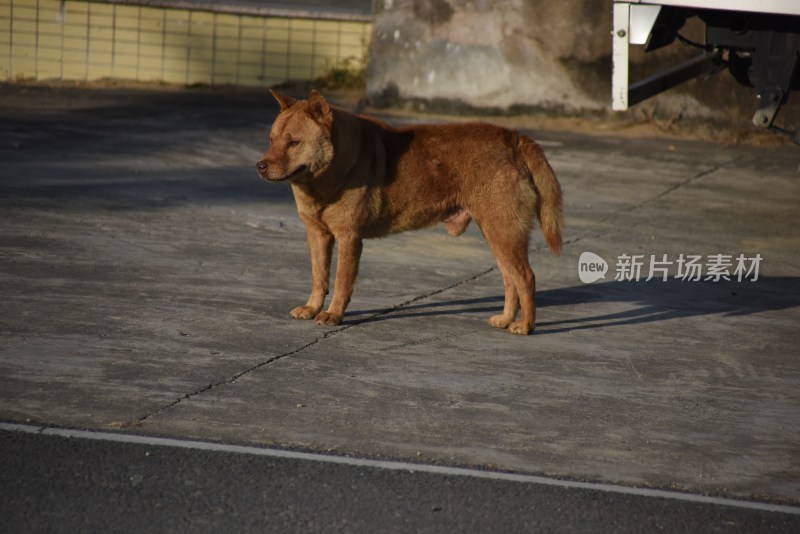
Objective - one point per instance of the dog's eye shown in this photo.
(292, 142)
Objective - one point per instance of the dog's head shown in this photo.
(300, 143)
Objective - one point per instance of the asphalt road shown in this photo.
(66, 484)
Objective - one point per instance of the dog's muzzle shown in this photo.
(263, 169)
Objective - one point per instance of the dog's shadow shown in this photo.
(644, 302)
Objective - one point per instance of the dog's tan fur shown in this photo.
(354, 177)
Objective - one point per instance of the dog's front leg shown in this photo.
(346, 272)
(320, 245)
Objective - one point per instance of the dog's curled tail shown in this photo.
(549, 209)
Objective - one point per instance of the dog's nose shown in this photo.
(261, 166)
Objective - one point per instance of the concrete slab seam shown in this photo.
(684, 183)
(440, 470)
(229, 380)
(232, 379)
(417, 299)
(653, 198)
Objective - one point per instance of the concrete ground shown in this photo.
(147, 273)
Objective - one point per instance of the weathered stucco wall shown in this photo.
(485, 54)
(505, 55)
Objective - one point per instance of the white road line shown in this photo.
(393, 466)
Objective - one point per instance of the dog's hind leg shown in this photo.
(514, 262)
(511, 305)
(508, 238)
(506, 218)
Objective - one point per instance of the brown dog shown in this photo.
(354, 177)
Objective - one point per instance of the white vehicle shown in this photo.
(757, 40)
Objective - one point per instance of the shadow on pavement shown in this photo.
(651, 301)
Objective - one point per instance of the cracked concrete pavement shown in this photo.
(147, 274)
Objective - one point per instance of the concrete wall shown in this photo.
(79, 40)
(554, 55)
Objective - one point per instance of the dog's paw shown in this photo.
(329, 319)
(499, 321)
(519, 327)
(303, 312)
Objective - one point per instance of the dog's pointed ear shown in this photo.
(319, 107)
(285, 101)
